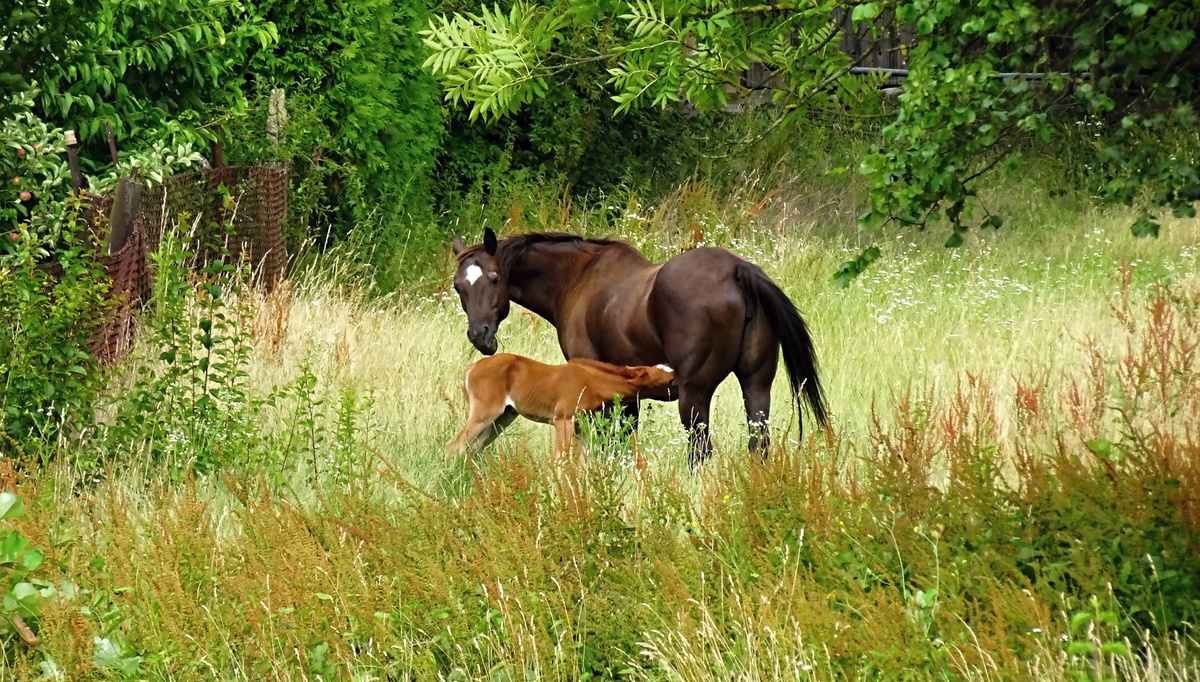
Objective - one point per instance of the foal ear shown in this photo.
(638, 375)
(489, 241)
(458, 245)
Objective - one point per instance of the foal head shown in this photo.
(482, 289)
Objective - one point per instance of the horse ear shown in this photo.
(458, 245)
(489, 241)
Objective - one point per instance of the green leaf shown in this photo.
(30, 560)
(1114, 649)
(1138, 9)
(1080, 648)
(26, 595)
(1144, 227)
(955, 240)
(855, 267)
(11, 506)
(867, 12)
(1080, 619)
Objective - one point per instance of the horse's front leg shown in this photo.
(631, 413)
(628, 413)
(694, 404)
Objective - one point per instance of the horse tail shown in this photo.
(798, 355)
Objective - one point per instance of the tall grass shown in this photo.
(1007, 491)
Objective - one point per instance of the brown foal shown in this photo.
(501, 387)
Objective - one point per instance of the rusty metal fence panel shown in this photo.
(130, 284)
(260, 195)
(260, 204)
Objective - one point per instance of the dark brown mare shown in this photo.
(706, 312)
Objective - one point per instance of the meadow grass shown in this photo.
(953, 522)
(1017, 301)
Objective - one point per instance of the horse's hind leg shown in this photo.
(755, 372)
(756, 394)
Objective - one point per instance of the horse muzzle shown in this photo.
(484, 340)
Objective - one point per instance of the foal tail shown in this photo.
(798, 355)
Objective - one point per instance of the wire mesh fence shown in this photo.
(259, 208)
(240, 208)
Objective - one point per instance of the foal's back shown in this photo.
(542, 392)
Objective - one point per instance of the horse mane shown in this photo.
(512, 248)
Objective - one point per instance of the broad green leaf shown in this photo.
(867, 11)
(11, 506)
(1144, 227)
(1114, 649)
(31, 559)
(1080, 648)
(26, 595)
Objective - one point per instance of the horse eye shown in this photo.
(494, 276)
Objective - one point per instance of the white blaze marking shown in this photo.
(474, 272)
(665, 368)
(508, 402)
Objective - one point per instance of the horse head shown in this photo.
(482, 288)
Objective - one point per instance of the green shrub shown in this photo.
(365, 120)
(189, 408)
(34, 181)
(156, 70)
(52, 309)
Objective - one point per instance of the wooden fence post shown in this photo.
(126, 200)
(73, 160)
(277, 115)
(112, 144)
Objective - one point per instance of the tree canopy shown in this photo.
(985, 79)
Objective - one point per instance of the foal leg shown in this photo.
(482, 427)
(564, 437)
(500, 423)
